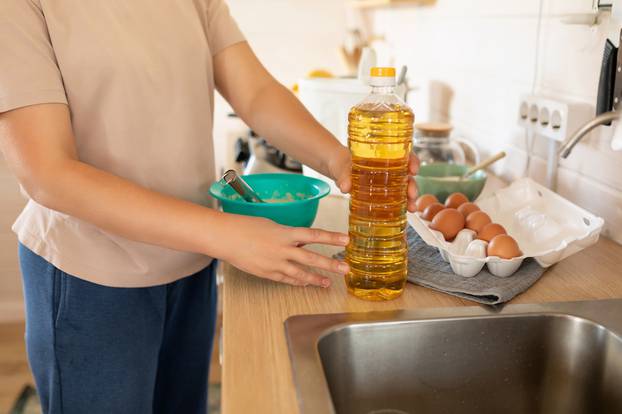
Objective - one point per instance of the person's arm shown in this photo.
(38, 144)
(275, 113)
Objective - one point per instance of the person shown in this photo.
(106, 118)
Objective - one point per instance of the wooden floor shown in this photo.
(11, 203)
(14, 371)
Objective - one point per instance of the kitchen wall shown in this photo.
(290, 37)
(472, 61)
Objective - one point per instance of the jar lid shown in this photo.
(434, 129)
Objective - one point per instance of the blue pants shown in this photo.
(95, 349)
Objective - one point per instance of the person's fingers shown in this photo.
(317, 260)
(294, 282)
(413, 193)
(345, 184)
(412, 189)
(283, 278)
(413, 164)
(304, 235)
(339, 167)
(296, 272)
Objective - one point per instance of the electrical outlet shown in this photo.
(553, 118)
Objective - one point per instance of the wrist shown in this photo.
(337, 156)
(219, 236)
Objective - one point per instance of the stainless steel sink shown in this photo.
(527, 359)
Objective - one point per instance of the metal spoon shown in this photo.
(231, 178)
(402, 76)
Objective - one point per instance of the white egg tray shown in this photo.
(545, 225)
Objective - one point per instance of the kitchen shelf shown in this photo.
(369, 4)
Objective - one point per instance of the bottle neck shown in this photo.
(383, 90)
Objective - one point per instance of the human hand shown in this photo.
(272, 251)
(340, 166)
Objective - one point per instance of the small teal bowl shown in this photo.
(300, 194)
(429, 181)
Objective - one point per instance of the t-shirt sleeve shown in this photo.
(223, 31)
(29, 73)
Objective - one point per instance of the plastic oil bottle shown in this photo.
(380, 139)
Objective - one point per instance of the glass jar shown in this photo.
(432, 144)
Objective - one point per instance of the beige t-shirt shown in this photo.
(138, 78)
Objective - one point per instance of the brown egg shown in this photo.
(477, 220)
(503, 246)
(424, 201)
(490, 230)
(455, 200)
(467, 208)
(431, 211)
(449, 222)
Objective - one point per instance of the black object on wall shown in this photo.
(606, 83)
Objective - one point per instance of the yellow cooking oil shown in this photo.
(380, 139)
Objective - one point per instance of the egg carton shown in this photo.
(545, 225)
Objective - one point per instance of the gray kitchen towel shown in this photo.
(427, 268)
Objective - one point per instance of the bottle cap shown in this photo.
(382, 72)
(382, 76)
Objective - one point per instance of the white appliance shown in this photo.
(329, 100)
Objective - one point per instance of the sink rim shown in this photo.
(345, 325)
(304, 332)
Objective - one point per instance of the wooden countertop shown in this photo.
(257, 375)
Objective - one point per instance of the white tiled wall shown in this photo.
(482, 51)
(290, 37)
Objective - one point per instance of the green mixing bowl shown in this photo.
(428, 181)
(292, 199)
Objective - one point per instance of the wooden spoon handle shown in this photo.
(484, 163)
